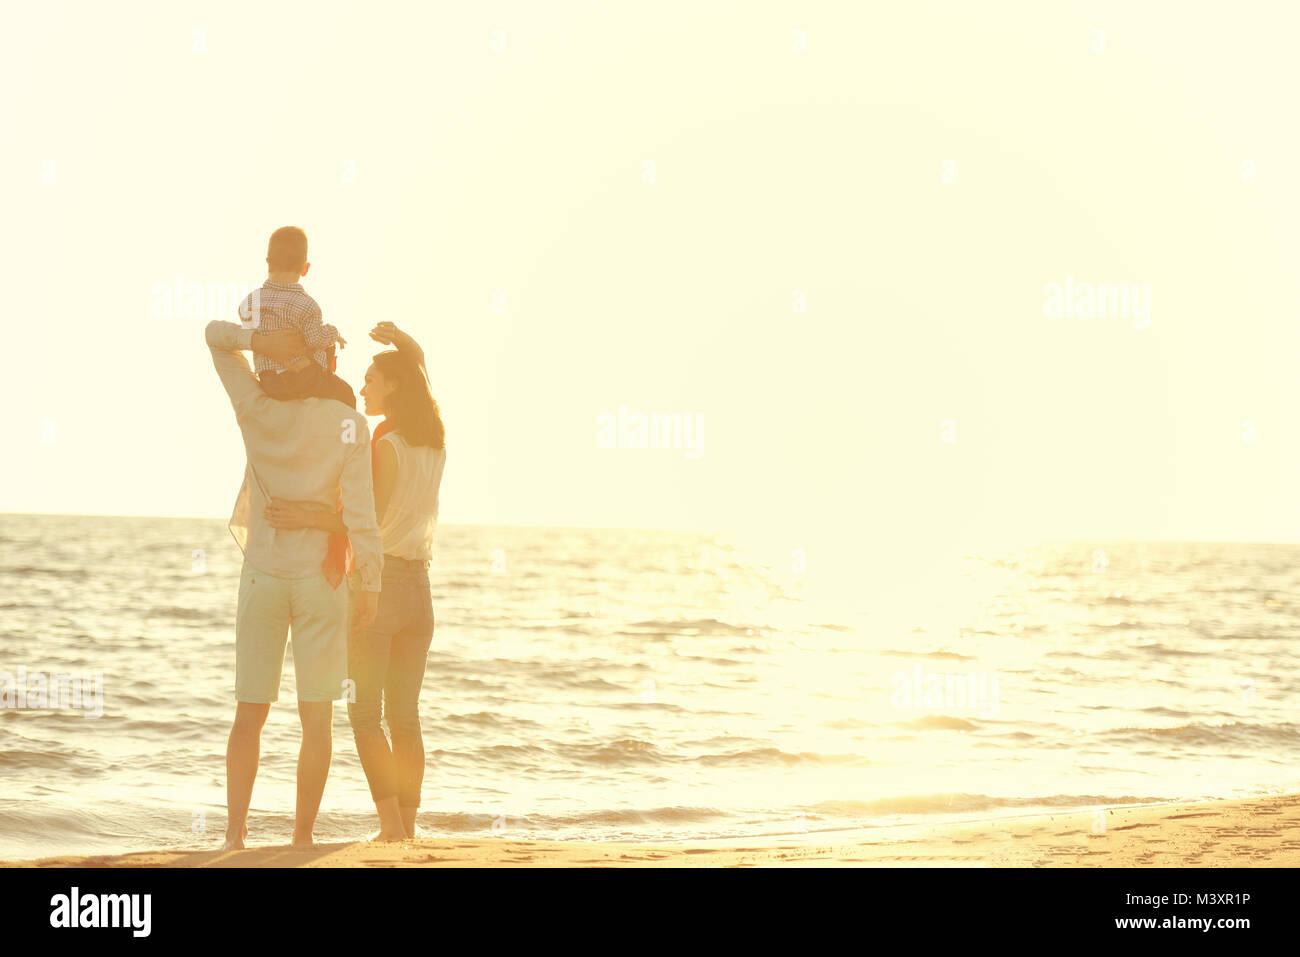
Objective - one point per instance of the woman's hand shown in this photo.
(384, 333)
(283, 346)
(389, 334)
(288, 515)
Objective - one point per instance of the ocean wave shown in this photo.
(1200, 734)
(698, 626)
(589, 684)
(1123, 600)
(34, 829)
(591, 824)
(534, 687)
(939, 722)
(20, 571)
(775, 757)
(1156, 648)
(1154, 709)
(620, 752)
(938, 655)
(185, 614)
(627, 752)
(67, 759)
(487, 719)
(961, 803)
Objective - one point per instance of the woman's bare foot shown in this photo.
(408, 821)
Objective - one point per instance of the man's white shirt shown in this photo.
(312, 450)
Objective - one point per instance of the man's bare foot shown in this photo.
(235, 843)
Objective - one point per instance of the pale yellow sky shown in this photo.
(918, 172)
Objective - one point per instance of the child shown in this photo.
(281, 303)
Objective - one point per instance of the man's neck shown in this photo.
(284, 278)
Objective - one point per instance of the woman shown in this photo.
(386, 661)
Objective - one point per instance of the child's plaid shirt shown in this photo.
(285, 305)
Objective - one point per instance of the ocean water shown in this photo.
(608, 684)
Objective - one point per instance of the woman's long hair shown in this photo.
(410, 407)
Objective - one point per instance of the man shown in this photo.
(313, 450)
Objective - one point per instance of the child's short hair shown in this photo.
(287, 249)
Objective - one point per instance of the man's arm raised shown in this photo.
(228, 340)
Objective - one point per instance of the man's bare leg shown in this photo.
(242, 752)
(313, 765)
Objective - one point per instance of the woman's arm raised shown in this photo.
(386, 333)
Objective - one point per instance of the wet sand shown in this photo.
(1258, 832)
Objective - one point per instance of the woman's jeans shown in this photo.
(386, 661)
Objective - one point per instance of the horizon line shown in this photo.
(441, 524)
(666, 528)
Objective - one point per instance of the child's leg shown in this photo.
(335, 388)
(278, 385)
(311, 381)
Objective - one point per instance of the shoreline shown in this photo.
(1245, 832)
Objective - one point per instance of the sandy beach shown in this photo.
(1259, 832)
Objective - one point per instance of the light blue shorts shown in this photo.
(318, 616)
